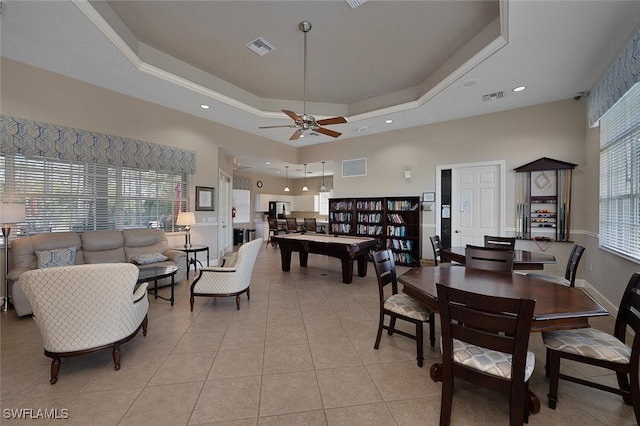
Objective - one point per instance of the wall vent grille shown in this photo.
(492, 96)
(261, 46)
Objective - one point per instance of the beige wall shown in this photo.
(555, 130)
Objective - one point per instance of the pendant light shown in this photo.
(305, 188)
(286, 185)
(322, 187)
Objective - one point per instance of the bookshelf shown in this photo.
(395, 221)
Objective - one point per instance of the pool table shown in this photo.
(347, 249)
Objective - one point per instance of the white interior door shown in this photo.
(224, 215)
(477, 203)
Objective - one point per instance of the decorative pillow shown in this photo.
(58, 257)
(145, 259)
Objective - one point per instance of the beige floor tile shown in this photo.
(236, 338)
(402, 380)
(163, 405)
(281, 359)
(286, 393)
(360, 415)
(337, 354)
(278, 335)
(227, 399)
(193, 342)
(89, 408)
(183, 368)
(308, 418)
(346, 386)
(237, 363)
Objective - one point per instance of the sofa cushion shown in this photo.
(23, 249)
(139, 242)
(103, 247)
(145, 259)
(56, 257)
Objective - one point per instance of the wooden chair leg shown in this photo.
(446, 401)
(623, 383)
(392, 325)
(554, 377)
(432, 330)
(238, 302)
(248, 293)
(419, 343)
(380, 327)
(116, 356)
(635, 395)
(55, 369)
(145, 323)
(191, 303)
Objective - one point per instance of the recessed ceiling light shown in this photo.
(277, 172)
(388, 121)
(519, 88)
(205, 106)
(268, 163)
(470, 83)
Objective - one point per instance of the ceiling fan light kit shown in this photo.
(305, 121)
(323, 188)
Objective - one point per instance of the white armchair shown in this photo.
(231, 279)
(86, 308)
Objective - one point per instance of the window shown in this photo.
(62, 195)
(241, 202)
(620, 176)
(324, 203)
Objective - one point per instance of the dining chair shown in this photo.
(570, 272)
(399, 305)
(500, 242)
(310, 224)
(600, 349)
(438, 254)
(492, 259)
(273, 230)
(292, 224)
(485, 341)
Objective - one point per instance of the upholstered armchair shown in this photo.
(86, 308)
(231, 279)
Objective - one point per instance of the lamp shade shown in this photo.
(12, 213)
(186, 218)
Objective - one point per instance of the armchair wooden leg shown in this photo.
(116, 356)
(238, 302)
(191, 303)
(248, 293)
(145, 321)
(55, 369)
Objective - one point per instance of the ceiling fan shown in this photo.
(308, 122)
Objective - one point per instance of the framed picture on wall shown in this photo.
(205, 198)
(428, 197)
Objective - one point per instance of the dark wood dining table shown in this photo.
(557, 307)
(522, 259)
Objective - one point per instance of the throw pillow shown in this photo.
(57, 257)
(145, 259)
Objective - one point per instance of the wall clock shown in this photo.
(259, 184)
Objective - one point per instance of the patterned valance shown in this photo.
(241, 182)
(623, 73)
(36, 139)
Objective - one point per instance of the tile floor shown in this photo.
(300, 352)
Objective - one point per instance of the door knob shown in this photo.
(456, 231)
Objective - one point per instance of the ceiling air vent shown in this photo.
(260, 46)
(355, 3)
(492, 96)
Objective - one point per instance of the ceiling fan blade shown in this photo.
(273, 127)
(334, 120)
(296, 135)
(328, 132)
(292, 115)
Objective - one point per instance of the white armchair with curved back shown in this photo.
(86, 308)
(230, 279)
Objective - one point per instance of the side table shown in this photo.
(193, 260)
(155, 273)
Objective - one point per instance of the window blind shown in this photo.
(62, 195)
(620, 176)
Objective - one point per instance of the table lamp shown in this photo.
(9, 213)
(186, 219)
